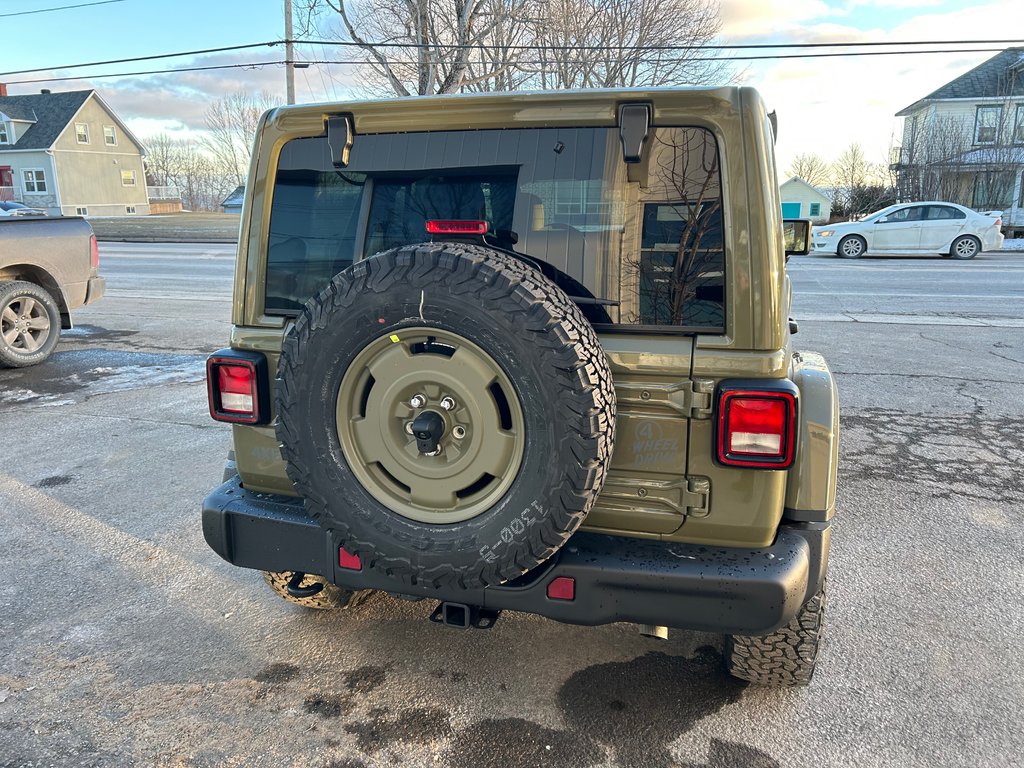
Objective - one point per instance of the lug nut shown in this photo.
(408, 427)
(447, 403)
(418, 401)
(458, 431)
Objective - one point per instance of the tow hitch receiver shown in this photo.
(463, 616)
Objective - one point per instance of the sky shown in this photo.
(823, 104)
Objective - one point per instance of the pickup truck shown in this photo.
(48, 267)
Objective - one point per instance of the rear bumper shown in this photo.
(728, 590)
(97, 287)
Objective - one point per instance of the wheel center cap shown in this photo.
(428, 428)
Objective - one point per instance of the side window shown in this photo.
(313, 220)
(680, 272)
(912, 213)
(944, 212)
(986, 125)
(815, 209)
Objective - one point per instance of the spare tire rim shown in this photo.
(479, 436)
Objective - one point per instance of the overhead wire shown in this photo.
(58, 8)
(653, 56)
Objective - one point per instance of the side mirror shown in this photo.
(796, 235)
(883, 220)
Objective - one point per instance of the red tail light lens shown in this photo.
(94, 252)
(757, 429)
(456, 227)
(233, 386)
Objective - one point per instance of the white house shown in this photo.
(802, 201)
(965, 141)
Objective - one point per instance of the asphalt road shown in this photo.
(125, 641)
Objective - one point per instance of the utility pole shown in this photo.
(289, 51)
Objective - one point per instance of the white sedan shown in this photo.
(930, 227)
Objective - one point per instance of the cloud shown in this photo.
(177, 101)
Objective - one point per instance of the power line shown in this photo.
(223, 49)
(259, 64)
(323, 43)
(697, 47)
(59, 8)
(250, 65)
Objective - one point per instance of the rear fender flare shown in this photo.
(811, 484)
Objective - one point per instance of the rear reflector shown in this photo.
(456, 227)
(349, 561)
(562, 588)
(756, 429)
(233, 389)
(94, 252)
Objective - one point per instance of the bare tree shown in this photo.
(185, 164)
(231, 124)
(419, 47)
(627, 44)
(812, 168)
(444, 46)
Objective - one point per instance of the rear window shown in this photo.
(635, 245)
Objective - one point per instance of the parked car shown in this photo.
(929, 227)
(48, 267)
(11, 208)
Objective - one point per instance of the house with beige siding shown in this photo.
(802, 201)
(70, 154)
(965, 141)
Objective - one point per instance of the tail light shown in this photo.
(456, 227)
(236, 384)
(999, 223)
(757, 427)
(94, 252)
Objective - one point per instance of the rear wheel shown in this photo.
(787, 656)
(852, 247)
(966, 247)
(29, 324)
(321, 594)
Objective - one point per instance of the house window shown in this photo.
(35, 181)
(1018, 125)
(109, 136)
(129, 209)
(127, 178)
(82, 133)
(5, 134)
(81, 211)
(815, 209)
(986, 125)
(993, 190)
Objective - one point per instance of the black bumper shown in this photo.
(713, 589)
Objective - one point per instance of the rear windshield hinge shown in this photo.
(702, 402)
(697, 496)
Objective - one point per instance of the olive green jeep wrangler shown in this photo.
(530, 352)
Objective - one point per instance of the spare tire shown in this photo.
(446, 411)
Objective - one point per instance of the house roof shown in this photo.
(236, 197)
(50, 111)
(1000, 76)
(797, 180)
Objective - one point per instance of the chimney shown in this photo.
(3, 89)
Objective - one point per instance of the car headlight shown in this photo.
(825, 233)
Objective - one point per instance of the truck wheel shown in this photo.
(328, 598)
(29, 324)
(852, 247)
(966, 247)
(787, 656)
(446, 411)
